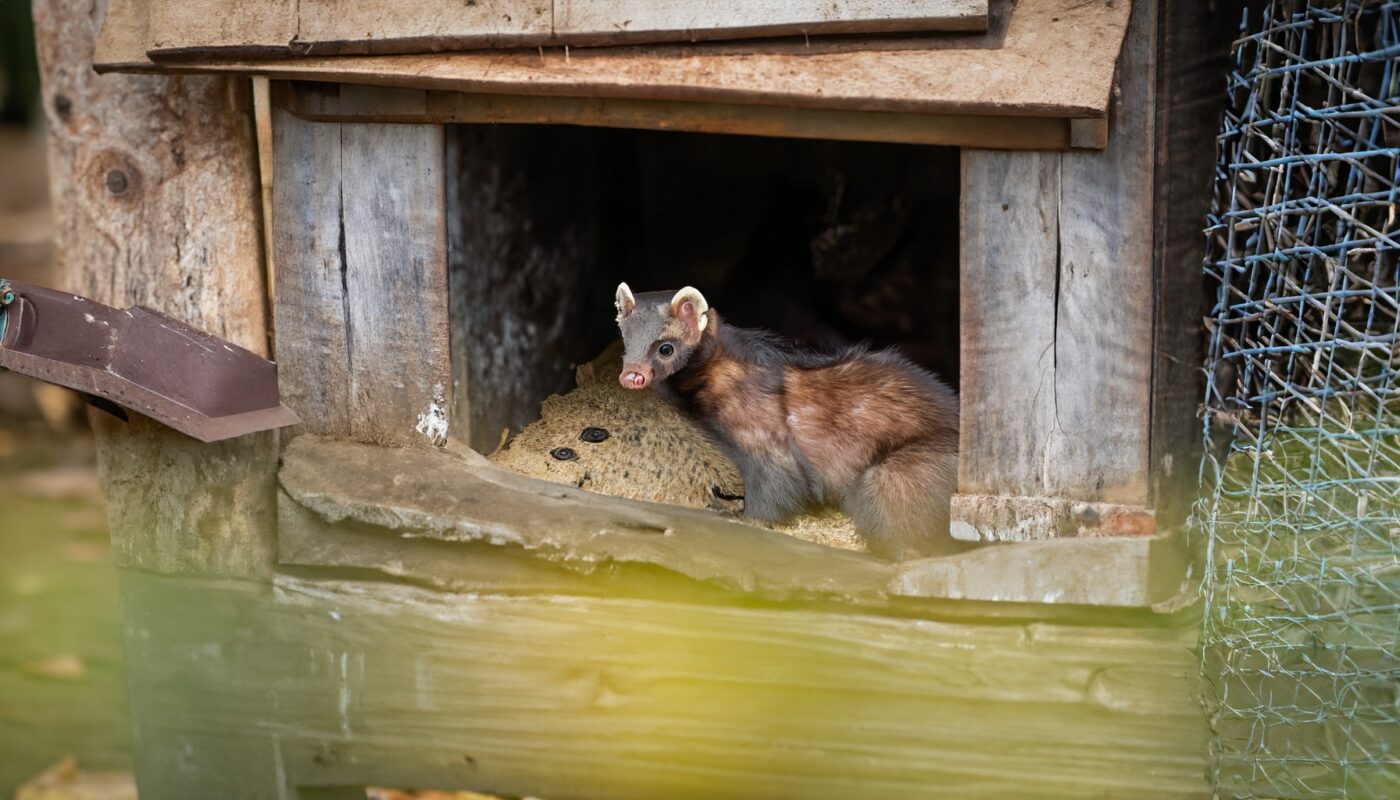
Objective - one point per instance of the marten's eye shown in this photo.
(564, 453)
(666, 350)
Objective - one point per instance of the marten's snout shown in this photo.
(635, 377)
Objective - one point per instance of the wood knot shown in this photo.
(116, 176)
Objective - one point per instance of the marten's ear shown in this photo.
(625, 301)
(689, 306)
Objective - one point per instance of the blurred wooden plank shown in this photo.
(351, 682)
(347, 103)
(1069, 48)
(1194, 54)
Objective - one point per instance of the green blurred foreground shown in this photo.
(62, 688)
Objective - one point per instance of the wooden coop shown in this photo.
(426, 239)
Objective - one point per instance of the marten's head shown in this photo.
(660, 331)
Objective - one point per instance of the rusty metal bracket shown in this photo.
(139, 359)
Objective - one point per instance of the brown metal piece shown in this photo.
(197, 384)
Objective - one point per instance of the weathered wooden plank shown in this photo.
(334, 103)
(1071, 48)
(1194, 53)
(347, 683)
(1009, 252)
(248, 28)
(313, 350)
(1098, 447)
(344, 27)
(622, 21)
(349, 505)
(268, 28)
(395, 239)
(1057, 374)
(360, 237)
(172, 226)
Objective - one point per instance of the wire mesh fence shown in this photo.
(1300, 506)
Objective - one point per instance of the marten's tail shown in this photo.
(900, 505)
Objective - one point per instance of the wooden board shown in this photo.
(360, 240)
(329, 102)
(349, 505)
(326, 682)
(1042, 58)
(181, 30)
(1007, 295)
(1058, 319)
(1098, 447)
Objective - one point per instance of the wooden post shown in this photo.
(1057, 329)
(155, 191)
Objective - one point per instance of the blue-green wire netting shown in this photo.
(1300, 504)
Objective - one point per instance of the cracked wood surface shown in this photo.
(360, 240)
(1057, 303)
(452, 519)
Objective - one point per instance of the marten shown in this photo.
(863, 429)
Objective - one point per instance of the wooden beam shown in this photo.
(175, 227)
(361, 293)
(1057, 325)
(348, 103)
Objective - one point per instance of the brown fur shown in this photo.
(867, 431)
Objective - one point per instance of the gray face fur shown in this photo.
(659, 332)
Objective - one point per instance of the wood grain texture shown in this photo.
(1071, 47)
(313, 350)
(1057, 371)
(154, 183)
(251, 28)
(268, 28)
(360, 239)
(1009, 246)
(1098, 447)
(395, 239)
(354, 682)
(351, 103)
(622, 21)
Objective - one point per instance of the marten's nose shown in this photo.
(632, 379)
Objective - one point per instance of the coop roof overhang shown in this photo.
(1040, 77)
